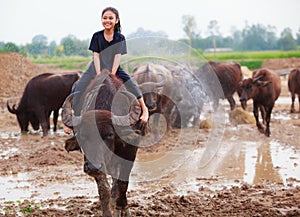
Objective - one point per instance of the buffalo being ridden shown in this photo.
(42, 95)
(229, 75)
(106, 132)
(264, 89)
(294, 87)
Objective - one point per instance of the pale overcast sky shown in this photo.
(21, 20)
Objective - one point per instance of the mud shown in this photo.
(244, 174)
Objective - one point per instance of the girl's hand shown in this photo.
(145, 116)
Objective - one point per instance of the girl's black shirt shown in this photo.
(107, 49)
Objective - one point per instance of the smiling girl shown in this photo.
(107, 46)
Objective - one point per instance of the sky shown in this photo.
(21, 20)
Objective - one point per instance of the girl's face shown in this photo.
(109, 20)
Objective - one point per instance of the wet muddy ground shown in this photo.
(228, 170)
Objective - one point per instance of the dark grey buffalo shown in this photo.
(107, 133)
(42, 95)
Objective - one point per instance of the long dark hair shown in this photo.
(116, 12)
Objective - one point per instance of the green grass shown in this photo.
(74, 62)
(252, 60)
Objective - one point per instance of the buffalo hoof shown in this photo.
(71, 144)
(267, 133)
(261, 130)
(122, 212)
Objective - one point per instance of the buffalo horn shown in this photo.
(152, 85)
(68, 118)
(132, 117)
(163, 81)
(257, 78)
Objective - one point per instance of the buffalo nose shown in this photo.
(151, 106)
(91, 169)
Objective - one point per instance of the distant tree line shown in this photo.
(255, 37)
(69, 46)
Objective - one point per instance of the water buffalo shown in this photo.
(157, 85)
(294, 87)
(192, 99)
(229, 77)
(102, 133)
(264, 88)
(42, 95)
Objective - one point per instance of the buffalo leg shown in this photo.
(43, 117)
(48, 119)
(231, 102)
(263, 114)
(258, 124)
(104, 194)
(114, 193)
(268, 118)
(55, 117)
(123, 181)
(293, 105)
(299, 101)
(121, 209)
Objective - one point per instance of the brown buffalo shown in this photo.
(42, 95)
(294, 87)
(106, 134)
(221, 79)
(264, 88)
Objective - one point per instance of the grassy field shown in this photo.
(252, 60)
(72, 62)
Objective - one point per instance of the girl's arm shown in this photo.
(116, 64)
(97, 62)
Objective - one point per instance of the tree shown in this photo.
(69, 44)
(257, 37)
(38, 45)
(298, 37)
(189, 26)
(213, 28)
(10, 47)
(286, 41)
(51, 48)
(82, 48)
(141, 32)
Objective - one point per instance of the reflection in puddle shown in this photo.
(237, 162)
(23, 186)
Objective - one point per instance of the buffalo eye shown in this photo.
(249, 86)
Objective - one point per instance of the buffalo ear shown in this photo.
(262, 83)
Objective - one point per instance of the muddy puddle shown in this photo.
(235, 162)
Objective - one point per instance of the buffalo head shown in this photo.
(150, 81)
(249, 89)
(24, 117)
(96, 134)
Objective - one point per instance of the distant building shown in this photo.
(218, 50)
